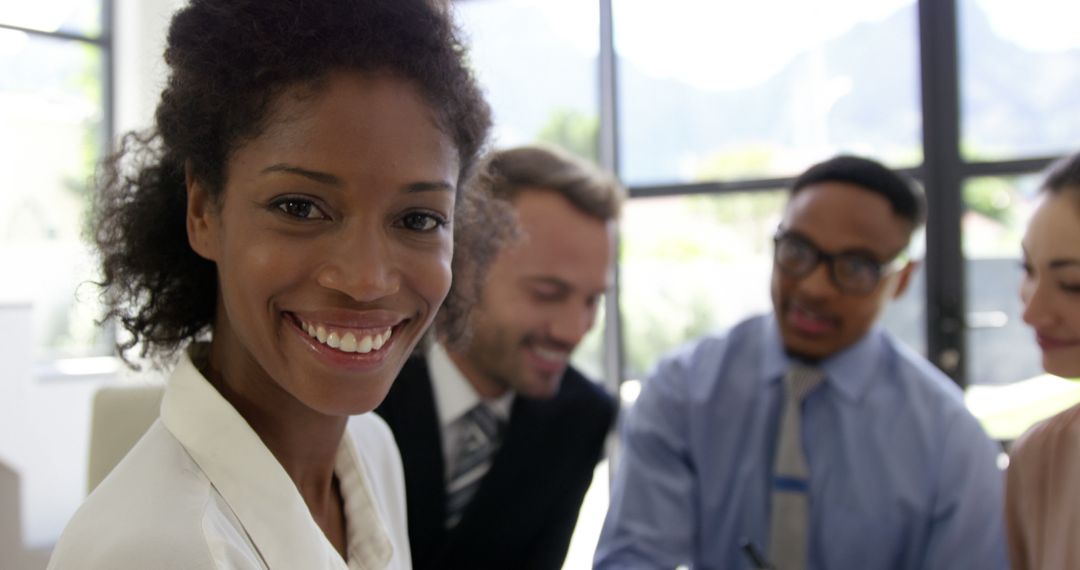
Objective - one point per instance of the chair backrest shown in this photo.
(120, 416)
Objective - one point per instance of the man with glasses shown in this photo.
(811, 438)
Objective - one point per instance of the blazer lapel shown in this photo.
(410, 411)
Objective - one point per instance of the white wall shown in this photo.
(15, 348)
(45, 410)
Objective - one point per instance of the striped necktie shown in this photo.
(790, 517)
(480, 434)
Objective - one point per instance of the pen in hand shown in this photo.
(755, 556)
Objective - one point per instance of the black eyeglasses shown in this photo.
(853, 271)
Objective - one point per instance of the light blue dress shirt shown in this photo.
(901, 475)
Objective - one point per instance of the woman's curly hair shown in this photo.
(229, 60)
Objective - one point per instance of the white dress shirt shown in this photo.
(201, 490)
(454, 397)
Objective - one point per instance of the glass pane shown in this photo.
(589, 356)
(705, 94)
(537, 63)
(691, 265)
(1001, 348)
(80, 17)
(1020, 72)
(905, 316)
(51, 109)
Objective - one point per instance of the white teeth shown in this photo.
(347, 342)
(547, 354)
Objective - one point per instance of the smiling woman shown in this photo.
(1042, 475)
(337, 218)
(294, 209)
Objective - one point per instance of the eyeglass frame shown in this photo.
(882, 269)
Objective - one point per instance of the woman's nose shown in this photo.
(360, 265)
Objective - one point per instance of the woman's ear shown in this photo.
(202, 217)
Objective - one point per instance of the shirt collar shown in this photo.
(257, 488)
(850, 371)
(369, 546)
(454, 394)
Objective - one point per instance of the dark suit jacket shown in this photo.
(525, 509)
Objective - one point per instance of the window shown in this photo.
(1001, 345)
(735, 90)
(537, 64)
(53, 101)
(692, 265)
(1020, 72)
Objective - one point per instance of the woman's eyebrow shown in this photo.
(320, 177)
(429, 187)
(1067, 262)
(331, 180)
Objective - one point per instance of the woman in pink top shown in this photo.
(1042, 509)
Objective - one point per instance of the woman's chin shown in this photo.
(1067, 370)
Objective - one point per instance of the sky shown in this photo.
(1039, 25)
(723, 45)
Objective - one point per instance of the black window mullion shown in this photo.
(614, 363)
(941, 174)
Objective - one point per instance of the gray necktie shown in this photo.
(481, 435)
(789, 523)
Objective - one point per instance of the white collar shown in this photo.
(454, 394)
(257, 488)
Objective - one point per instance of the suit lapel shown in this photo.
(410, 411)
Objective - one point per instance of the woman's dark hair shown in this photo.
(904, 197)
(229, 61)
(1063, 174)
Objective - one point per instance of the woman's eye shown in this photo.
(300, 208)
(420, 222)
(545, 296)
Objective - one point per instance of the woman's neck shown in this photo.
(304, 441)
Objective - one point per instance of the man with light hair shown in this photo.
(499, 435)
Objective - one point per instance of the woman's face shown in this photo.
(1051, 286)
(333, 242)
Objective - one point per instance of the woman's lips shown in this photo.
(1052, 343)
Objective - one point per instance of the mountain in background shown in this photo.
(859, 92)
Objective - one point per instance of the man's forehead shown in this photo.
(840, 215)
(556, 246)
